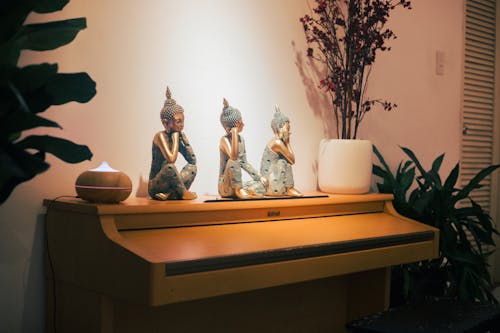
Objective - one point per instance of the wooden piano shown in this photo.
(286, 265)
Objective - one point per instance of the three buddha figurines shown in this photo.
(275, 178)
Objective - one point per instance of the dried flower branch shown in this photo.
(346, 35)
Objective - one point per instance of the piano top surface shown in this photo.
(139, 205)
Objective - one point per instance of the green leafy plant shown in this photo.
(466, 231)
(27, 91)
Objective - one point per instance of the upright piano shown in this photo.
(210, 265)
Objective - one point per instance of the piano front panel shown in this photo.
(151, 253)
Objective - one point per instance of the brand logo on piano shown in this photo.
(273, 213)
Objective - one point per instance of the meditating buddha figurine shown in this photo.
(165, 181)
(233, 159)
(278, 158)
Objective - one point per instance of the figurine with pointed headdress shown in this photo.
(165, 181)
(233, 159)
(278, 158)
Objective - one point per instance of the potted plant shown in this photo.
(27, 91)
(345, 36)
(465, 232)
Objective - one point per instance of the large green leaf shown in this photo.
(480, 237)
(40, 86)
(61, 148)
(434, 171)
(451, 181)
(13, 13)
(436, 165)
(50, 35)
(474, 183)
(9, 55)
(415, 160)
(381, 159)
(403, 168)
(34, 77)
(24, 88)
(48, 6)
(17, 166)
(406, 179)
(20, 121)
(378, 171)
(484, 218)
(68, 87)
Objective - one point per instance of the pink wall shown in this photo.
(252, 53)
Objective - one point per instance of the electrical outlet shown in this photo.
(439, 62)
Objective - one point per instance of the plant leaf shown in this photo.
(388, 180)
(33, 77)
(19, 121)
(61, 148)
(412, 156)
(407, 179)
(474, 182)
(9, 55)
(25, 88)
(434, 171)
(452, 178)
(12, 16)
(407, 165)
(381, 159)
(17, 166)
(68, 87)
(378, 171)
(48, 6)
(436, 165)
(49, 35)
(40, 86)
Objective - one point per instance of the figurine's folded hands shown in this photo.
(168, 151)
(284, 149)
(229, 144)
(234, 143)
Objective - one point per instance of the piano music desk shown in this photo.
(287, 265)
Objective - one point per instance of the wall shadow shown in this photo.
(142, 187)
(34, 282)
(318, 100)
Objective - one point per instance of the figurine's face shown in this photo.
(176, 124)
(239, 125)
(284, 132)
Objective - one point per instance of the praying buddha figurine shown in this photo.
(278, 158)
(165, 181)
(233, 159)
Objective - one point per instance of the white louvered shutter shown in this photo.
(478, 95)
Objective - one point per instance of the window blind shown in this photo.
(478, 103)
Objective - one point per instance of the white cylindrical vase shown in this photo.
(345, 166)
